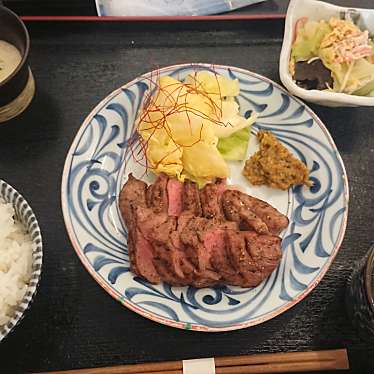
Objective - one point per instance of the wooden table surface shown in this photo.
(73, 323)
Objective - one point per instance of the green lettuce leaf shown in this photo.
(234, 147)
(308, 40)
(358, 81)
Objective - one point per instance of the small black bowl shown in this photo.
(360, 296)
(17, 90)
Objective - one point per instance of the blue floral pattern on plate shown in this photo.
(106, 150)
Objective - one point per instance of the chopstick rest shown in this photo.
(198, 366)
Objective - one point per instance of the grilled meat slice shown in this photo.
(188, 269)
(158, 230)
(236, 210)
(191, 198)
(265, 250)
(210, 197)
(167, 275)
(241, 260)
(275, 220)
(131, 251)
(192, 237)
(255, 213)
(143, 258)
(215, 242)
(132, 194)
(157, 195)
(175, 197)
(155, 227)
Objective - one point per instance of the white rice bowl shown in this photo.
(16, 250)
(21, 257)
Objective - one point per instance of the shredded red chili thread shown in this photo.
(178, 104)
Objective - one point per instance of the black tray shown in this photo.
(73, 323)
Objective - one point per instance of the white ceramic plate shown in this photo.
(97, 166)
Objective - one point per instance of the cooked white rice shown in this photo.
(15, 262)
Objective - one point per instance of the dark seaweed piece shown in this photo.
(312, 75)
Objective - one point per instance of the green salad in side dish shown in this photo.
(333, 55)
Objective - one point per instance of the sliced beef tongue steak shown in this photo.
(215, 241)
(144, 258)
(275, 221)
(157, 194)
(259, 213)
(167, 275)
(183, 236)
(155, 227)
(265, 250)
(180, 255)
(132, 194)
(210, 197)
(191, 198)
(235, 210)
(131, 251)
(180, 252)
(158, 230)
(192, 237)
(175, 197)
(241, 258)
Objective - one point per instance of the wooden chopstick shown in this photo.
(259, 363)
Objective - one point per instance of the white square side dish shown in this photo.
(315, 11)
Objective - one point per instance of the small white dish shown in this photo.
(318, 10)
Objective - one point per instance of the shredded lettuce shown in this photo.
(356, 78)
(371, 43)
(361, 81)
(308, 40)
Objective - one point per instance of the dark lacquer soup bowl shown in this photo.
(17, 86)
(360, 296)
